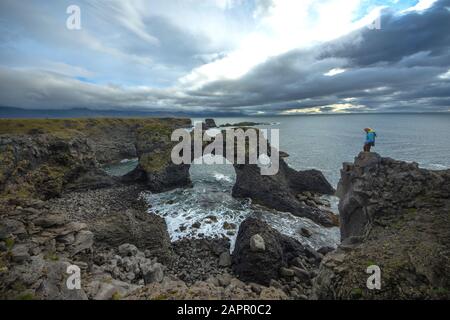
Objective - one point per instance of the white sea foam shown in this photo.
(200, 212)
(221, 177)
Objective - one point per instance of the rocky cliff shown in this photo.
(279, 191)
(43, 158)
(396, 216)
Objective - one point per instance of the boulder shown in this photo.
(225, 259)
(145, 231)
(54, 287)
(260, 261)
(51, 220)
(110, 290)
(84, 240)
(152, 272)
(257, 243)
(20, 253)
(128, 250)
(280, 191)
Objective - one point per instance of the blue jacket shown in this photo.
(370, 137)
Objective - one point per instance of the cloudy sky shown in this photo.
(248, 57)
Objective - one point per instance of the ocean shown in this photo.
(320, 142)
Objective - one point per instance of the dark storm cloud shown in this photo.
(400, 65)
(405, 66)
(398, 38)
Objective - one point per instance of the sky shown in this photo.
(227, 57)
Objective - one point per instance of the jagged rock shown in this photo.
(225, 259)
(325, 250)
(54, 287)
(144, 230)
(209, 124)
(42, 165)
(111, 290)
(280, 191)
(156, 168)
(11, 227)
(279, 251)
(128, 250)
(305, 232)
(152, 273)
(301, 273)
(173, 289)
(277, 191)
(50, 221)
(20, 253)
(285, 272)
(393, 215)
(83, 241)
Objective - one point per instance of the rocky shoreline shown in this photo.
(58, 208)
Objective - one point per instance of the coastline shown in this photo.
(58, 208)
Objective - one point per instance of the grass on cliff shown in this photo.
(67, 128)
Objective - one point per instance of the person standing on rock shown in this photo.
(370, 139)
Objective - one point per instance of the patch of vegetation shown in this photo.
(442, 292)
(356, 293)
(67, 128)
(51, 256)
(9, 243)
(26, 296)
(155, 162)
(116, 296)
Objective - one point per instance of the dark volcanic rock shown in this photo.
(396, 216)
(279, 191)
(261, 264)
(43, 165)
(146, 231)
(154, 147)
(210, 124)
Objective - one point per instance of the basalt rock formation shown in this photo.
(262, 254)
(396, 216)
(156, 168)
(44, 165)
(209, 124)
(43, 158)
(278, 191)
(146, 231)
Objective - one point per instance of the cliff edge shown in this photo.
(394, 215)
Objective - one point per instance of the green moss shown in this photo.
(116, 296)
(3, 265)
(9, 243)
(51, 257)
(370, 263)
(26, 296)
(155, 162)
(356, 293)
(67, 128)
(442, 292)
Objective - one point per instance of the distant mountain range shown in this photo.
(11, 112)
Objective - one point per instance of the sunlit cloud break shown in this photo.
(238, 57)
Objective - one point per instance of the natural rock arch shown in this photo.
(277, 191)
